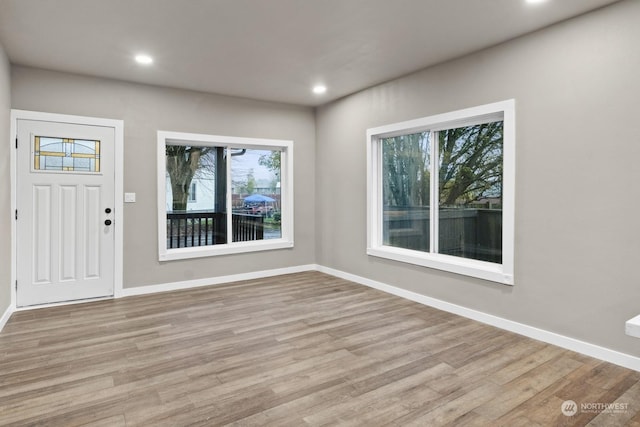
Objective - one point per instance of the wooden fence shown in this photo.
(468, 233)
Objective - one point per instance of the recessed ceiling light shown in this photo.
(144, 59)
(535, 1)
(319, 89)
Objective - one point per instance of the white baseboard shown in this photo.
(174, 286)
(5, 317)
(61, 303)
(602, 353)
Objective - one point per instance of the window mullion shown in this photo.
(229, 197)
(378, 185)
(433, 199)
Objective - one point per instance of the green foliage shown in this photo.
(272, 162)
(470, 163)
(470, 166)
(248, 185)
(251, 182)
(406, 170)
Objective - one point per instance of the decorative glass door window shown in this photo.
(66, 154)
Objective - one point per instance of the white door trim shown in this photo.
(118, 126)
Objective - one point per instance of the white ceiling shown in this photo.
(265, 49)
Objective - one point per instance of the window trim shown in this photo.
(501, 273)
(286, 185)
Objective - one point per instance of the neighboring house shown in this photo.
(201, 195)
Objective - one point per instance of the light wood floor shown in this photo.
(295, 350)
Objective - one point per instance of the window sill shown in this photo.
(467, 267)
(228, 249)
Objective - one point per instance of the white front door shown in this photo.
(65, 212)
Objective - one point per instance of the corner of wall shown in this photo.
(5, 189)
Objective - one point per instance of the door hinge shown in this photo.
(16, 214)
(16, 142)
(16, 285)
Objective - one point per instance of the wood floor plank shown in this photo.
(294, 350)
(114, 421)
(631, 397)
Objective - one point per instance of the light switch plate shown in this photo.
(129, 197)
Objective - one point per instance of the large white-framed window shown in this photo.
(441, 191)
(244, 201)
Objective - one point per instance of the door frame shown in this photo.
(118, 126)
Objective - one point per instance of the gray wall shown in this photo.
(577, 95)
(146, 109)
(5, 186)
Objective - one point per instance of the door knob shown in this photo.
(107, 222)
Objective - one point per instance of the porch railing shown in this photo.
(204, 228)
(247, 227)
